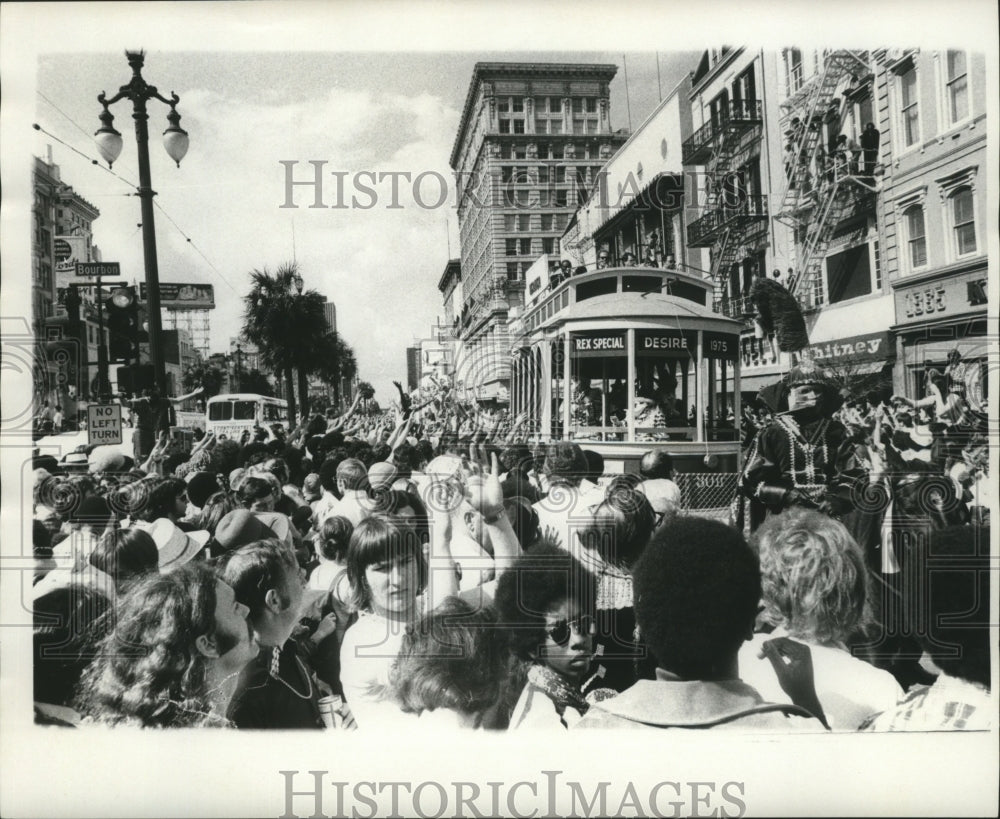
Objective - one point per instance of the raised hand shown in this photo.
(483, 488)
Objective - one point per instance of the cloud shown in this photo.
(380, 266)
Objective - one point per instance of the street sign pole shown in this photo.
(103, 382)
(97, 270)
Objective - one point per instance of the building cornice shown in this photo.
(715, 70)
(484, 71)
(956, 269)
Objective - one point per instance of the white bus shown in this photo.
(231, 413)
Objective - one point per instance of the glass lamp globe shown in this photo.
(109, 142)
(175, 138)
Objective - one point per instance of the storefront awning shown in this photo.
(754, 383)
(647, 197)
(870, 367)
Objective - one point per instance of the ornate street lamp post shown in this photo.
(175, 140)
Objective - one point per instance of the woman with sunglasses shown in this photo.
(546, 603)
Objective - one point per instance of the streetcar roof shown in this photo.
(641, 305)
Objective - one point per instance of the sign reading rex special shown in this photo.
(610, 342)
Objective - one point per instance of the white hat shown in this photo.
(662, 494)
(176, 547)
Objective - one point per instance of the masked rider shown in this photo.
(803, 457)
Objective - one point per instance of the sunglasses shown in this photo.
(561, 631)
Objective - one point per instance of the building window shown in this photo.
(555, 105)
(578, 125)
(512, 270)
(591, 126)
(560, 174)
(543, 174)
(524, 222)
(548, 245)
(555, 126)
(908, 108)
(561, 199)
(511, 247)
(793, 65)
(957, 85)
(509, 222)
(848, 274)
(504, 126)
(546, 221)
(541, 126)
(577, 105)
(526, 247)
(878, 264)
(916, 236)
(517, 105)
(518, 126)
(964, 221)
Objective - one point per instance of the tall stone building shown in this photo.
(530, 144)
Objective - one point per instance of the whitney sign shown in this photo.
(855, 349)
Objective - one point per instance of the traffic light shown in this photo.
(122, 323)
(135, 378)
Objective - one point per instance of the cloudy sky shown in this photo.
(248, 112)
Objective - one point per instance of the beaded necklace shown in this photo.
(276, 674)
(809, 449)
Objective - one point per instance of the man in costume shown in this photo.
(804, 456)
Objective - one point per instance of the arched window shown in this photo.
(916, 236)
(963, 221)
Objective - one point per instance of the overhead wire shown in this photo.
(128, 182)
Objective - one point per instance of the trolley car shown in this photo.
(627, 359)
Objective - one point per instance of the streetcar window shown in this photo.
(244, 410)
(600, 287)
(666, 385)
(720, 414)
(642, 284)
(220, 411)
(598, 386)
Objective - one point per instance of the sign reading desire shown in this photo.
(666, 342)
(612, 342)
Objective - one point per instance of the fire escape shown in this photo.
(822, 189)
(733, 222)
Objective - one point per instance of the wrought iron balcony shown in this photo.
(698, 147)
(738, 115)
(704, 232)
(745, 113)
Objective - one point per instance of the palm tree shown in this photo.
(287, 328)
(335, 362)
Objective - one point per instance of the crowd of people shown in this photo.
(377, 572)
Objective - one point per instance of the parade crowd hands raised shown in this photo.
(270, 565)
